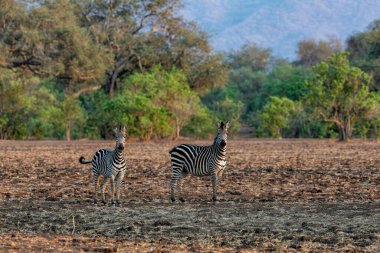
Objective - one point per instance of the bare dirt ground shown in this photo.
(284, 196)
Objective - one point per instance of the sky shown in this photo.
(279, 24)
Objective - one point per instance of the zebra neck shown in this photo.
(118, 154)
(219, 150)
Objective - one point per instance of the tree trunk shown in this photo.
(279, 135)
(68, 130)
(110, 84)
(342, 134)
(376, 132)
(177, 129)
(345, 130)
(148, 134)
(348, 128)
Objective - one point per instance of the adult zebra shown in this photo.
(199, 161)
(109, 164)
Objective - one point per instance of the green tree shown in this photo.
(156, 103)
(201, 124)
(72, 114)
(275, 115)
(224, 104)
(15, 105)
(168, 89)
(142, 34)
(252, 56)
(45, 40)
(364, 49)
(311, 52)
(287, 81)
(247, 86)
(370, 125)
(340, 93)
(143, 118)
(45, 119)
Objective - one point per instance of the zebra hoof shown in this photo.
(182, 200)
(104, 203)
(118, 203)
(214, 199)
(172, 199)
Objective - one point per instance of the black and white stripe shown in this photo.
(109, 164)
(199, 161)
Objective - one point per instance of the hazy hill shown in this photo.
(279, 24)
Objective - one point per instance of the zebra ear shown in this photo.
(221, 125)
(227, 124)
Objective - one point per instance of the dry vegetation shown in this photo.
(289, 195)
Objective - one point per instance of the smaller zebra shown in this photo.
(109, 164)
(199, 161)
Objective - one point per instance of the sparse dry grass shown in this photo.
(281, 196)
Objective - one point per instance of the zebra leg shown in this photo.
(214, 180)
(96, 176)
(119, 181)
(171, 188)
(180, 184)
(175, 176)
(102, 189)
(112, 180)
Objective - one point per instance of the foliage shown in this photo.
(364, 48)
(143, 118)
(153, 65)
(47, 113)
(275, 115)
(287, 81)
(167, 90)
(310, 52)
(224, 105)
(201, 124)
(155, 104)
(15, 105)
(142, 34)
(369, 127)
(254, 88)
(252, 56)
(340, 93)
(47, 41)
(85, 44)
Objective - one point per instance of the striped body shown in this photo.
(199, 161)
(110, 164)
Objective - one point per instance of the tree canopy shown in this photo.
(340, 93)
(75, 69)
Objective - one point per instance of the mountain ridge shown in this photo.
(279, 24)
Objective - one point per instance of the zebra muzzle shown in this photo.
(223, 143)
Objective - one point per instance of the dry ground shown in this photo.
(288, 195)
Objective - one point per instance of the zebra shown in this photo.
(199, 161)
(109, 164)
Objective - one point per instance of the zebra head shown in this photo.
(120, 137)
(221, 137)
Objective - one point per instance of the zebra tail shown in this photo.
(83, 161)
(172, 150)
